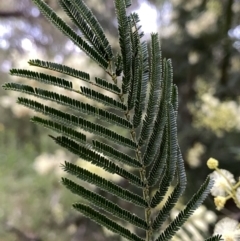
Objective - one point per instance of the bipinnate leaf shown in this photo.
(128, 128)
(97, 159)
(191, 206)
(106, 222)
(104, 184)
(102, 203)
(64, 28)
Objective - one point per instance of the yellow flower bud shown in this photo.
(212, 163)
(219, 202)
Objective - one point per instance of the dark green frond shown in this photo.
(142, 85)
(163, 214)
(171, 132)
(77, 122)
(215, 238)
(82, 24)
(136, 62)
(134, 84)
(60, 68)
(97, 159)
(160, 161)
(174, 197)
(192, 205)
(82, 107)
(118, 65)
(155, 90)
(115, 154)
(102, 203)
(161, 192)
(19, 87)
(182, 178)
(145, 75)
(175, 99)
(106, 222)
(107, 86)
(155, 140)
(62, 129)
(168, 81)
(104, 184)
(41, 77)
(76, 74)
(124, 30)
(93, 23)
(64, 28)
(173, 143)
(104, 99)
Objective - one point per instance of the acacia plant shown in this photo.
(145, 105)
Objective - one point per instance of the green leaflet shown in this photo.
(101, 202)
(104, 99)
(108, 86)
(62, 129)
(76, 121)
(174, 196)
(60, 68)
(106, 222)
(71, 103)
(192, 205)
(115, 154)
(43, 78)
(125, 43)
(96, 159)
(64, 28)
(104, 184)
(155, 89)
(94, 25)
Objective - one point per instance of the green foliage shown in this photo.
(153, 137)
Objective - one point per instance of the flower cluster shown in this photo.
(225, 187)
(228, 228)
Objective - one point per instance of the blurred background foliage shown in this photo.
(202, 37)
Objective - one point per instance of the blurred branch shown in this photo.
(11, 14)
(226, 48)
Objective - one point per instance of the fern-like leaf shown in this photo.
(61, 69)
(155, 78)
(43, 78)
(64, 28)
(76, 121)
(142, 85)
(70, 102)
(97, 159)
(115, 154)
(157, 168)
(192, 205)
(107, 86)
(82, 24)
(153, 137)
(59, 128)
(104, 184)
(174, 196)
(101, 202)
(104, 99)
(125, 43)
(106, 222)
(94, 25)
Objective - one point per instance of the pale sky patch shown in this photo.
(148, 17)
